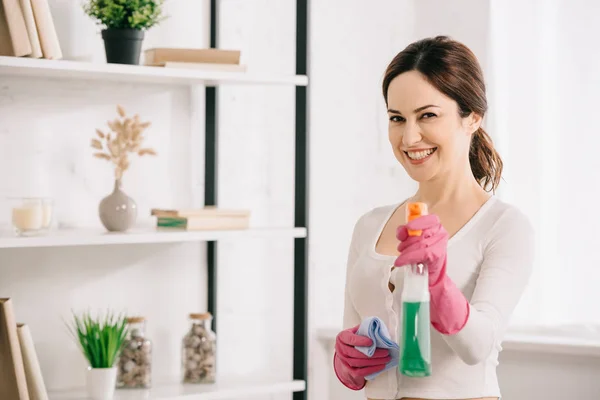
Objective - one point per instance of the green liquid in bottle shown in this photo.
(415, 351)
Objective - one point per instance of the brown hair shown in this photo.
(453, 69)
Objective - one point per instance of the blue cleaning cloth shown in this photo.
(374, 328)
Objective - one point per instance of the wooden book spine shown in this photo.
(17, 29)
(13, 383)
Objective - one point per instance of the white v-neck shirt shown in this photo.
(489, 259)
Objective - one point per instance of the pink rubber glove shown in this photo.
(449, 309)
(350, 365)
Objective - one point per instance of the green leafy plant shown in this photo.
(101, 338)
(119, 14)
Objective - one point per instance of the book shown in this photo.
(13, 383)
(34, 39)
(202, 223)
(33, 373)
(165, 54)
(5, 43)
(207, 211)
(46, 30)
(12, 16)
(206, 66)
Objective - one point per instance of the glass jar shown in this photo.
(135, 360)
(199, 350)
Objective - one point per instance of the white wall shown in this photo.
(544, 90)
(44, 149)
(543, 375)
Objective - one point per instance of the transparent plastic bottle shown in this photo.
(135, 361)
(415, 344)
(199, 350)
(415, 339)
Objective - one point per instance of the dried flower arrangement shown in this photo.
(125, 137)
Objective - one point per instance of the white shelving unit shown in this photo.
(64, 69)
(100, 72)
(221, 391)
(90, 237)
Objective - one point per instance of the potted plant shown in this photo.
(124, 22)
(118, 211)
(100, 340)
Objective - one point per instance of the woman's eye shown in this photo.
(396, 118)
(428, 115)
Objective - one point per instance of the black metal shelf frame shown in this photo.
(301, 179)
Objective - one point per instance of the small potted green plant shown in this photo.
(100, 340)
(124, 22)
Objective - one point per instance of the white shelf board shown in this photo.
(87, 237)
(66, 69)
(219, 391)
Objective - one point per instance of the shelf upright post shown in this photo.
(301, 205)
(210, 171)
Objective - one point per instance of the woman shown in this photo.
(478, 249)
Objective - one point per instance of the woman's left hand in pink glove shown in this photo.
(449, 308)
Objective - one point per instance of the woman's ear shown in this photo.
(472, 123)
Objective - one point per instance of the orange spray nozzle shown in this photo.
(413, 211)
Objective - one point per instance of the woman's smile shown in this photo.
(419, 156)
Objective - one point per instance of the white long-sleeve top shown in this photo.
(489, 259)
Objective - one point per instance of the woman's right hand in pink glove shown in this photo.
(350, 365)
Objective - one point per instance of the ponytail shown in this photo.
(485, 161)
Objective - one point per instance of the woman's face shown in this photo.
(426, 132)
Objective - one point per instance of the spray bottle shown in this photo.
(415, 341)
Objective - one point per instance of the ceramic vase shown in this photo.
(118, 211)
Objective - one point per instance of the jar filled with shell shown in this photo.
(199, 350)
(135, 360)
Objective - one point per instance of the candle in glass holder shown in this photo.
(28, 216)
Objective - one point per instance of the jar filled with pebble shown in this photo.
(199, 350)
(135, 360)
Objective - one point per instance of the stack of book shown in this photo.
(211, 59)
(20, 373)
(206, 218)
(27, 30)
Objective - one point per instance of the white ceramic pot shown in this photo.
(101, 383)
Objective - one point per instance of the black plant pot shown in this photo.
(123, 46)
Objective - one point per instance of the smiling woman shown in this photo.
(478, 250)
